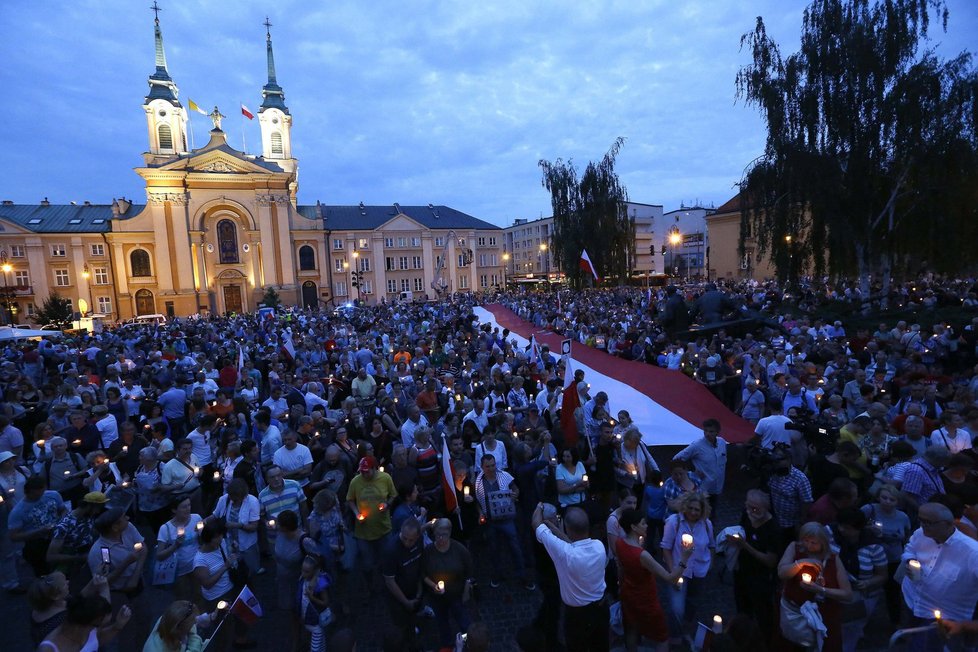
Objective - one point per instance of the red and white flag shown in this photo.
(246, 607)
(587, 266)
(570, 400)
(246, 112)
(448, 480)
(288, 345)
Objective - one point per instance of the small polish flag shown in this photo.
(587, 266)
(247, 113)
(246, 607)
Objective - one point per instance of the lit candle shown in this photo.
(584, 478)
(441, 587)
(196, 470)
(180, 531)
(687, 540)
(913, 569)
(381, 469)
(717, 624)
(937, 616)
(465, 490)
(1, 500)
(680, 580)
(77, 442)
(271, 524)
(125, 449)
(222, 605)
(11, 491)
(67, 473)
(200, 526)
(125, 485)
(361, 516)
(806, 578)
(40, 443)
(381, 507)
(217, 476)
(137, 546)
(735, 535)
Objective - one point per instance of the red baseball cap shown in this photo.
(368, 463)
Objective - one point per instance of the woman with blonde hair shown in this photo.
(690, 526)
(812, 573)
(176, 629)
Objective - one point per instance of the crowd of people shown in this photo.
(395, 454)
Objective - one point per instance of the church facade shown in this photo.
(220, 226)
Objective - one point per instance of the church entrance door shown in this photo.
(232, 299)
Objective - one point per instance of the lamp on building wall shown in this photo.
(6, 267)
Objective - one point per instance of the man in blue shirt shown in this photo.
(32, 521)
(709, 456)
(174, 404)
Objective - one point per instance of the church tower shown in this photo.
(273, 115)
(166, 118)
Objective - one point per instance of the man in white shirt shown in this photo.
(294, 459)
(415, 421)
(580, 563)
(948, 575)
(107, 426)
(477, 416)
(770, 430)
(277, 404)
(206, 384)
(709, 455)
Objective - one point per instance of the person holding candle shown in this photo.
(571, 486)
(403, 573)
(180, 475)
(691, 526)
(123, 570)
(212, 565)
(754, 577)
(894, 530)
(496, 494)
(946, 578)
(642, 613)
(634, 462)
(828, 587)
(177, 629)
(680, 482)
(178, 536)
(448, 573)
(368, 498)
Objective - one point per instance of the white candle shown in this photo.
(222, 605)
(137, 546)
(125, 449)
(687, 540)
(200, 526)
(180, 531)
(680, 581)
(40, 443)
(441, 586)
(271, 524)
(806, 578)
(584, 478)
(717, 624)
(217, 476)
(465, 490)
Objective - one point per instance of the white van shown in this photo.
(406, 297)
(157, 319)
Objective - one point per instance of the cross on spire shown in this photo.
(268, 27)
(156, 10)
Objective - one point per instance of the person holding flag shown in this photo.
(587, 266)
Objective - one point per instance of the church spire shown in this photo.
(272, 94)
(161, 85)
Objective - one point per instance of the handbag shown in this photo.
(239, 573)
(165, 570)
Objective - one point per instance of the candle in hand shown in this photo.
(271, 523)
(361, 516)
(806, 578)
(687, 540)
(465, 490)
(180, 531)
(200, 526)
(137, 546)
(441, 586)
(717, 624)
(584, 478)
(217, 476)
(222, 605)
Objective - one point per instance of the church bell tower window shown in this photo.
(166, 137)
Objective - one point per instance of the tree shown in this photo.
(271, 298)
(56, 311)
(870, 160)
(590, 213)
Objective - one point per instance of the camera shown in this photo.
(819, 435)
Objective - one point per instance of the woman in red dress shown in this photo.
(637, 571)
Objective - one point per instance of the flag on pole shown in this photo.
(287, 344)
(570, 401)
(587, 266)
(246, 607)
(448, 480)
(247, 113)
(533, 349)
(240, 357)
(195, 107)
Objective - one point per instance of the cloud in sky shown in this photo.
(445, 102)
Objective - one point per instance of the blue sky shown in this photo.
(446, 102)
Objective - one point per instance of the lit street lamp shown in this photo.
(357, 274)
(505, 268)
(86, 274)
(6, 267)
(546, 257)
(674, 241)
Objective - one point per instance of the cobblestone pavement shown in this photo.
(504, 609)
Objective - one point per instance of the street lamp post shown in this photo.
(546, 258)
(86, 274)
(6, 267)
(357, 274)
(787, 240)
(346, 268)
(505, 268)
(674, 240)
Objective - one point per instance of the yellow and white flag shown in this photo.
(194, 107)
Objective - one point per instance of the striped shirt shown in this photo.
(291, 497)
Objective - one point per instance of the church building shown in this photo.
(219, 227)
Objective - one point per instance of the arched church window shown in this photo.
(166, 137)
(139, 261)
(276, 142)
(307, 258)
(227, 242)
